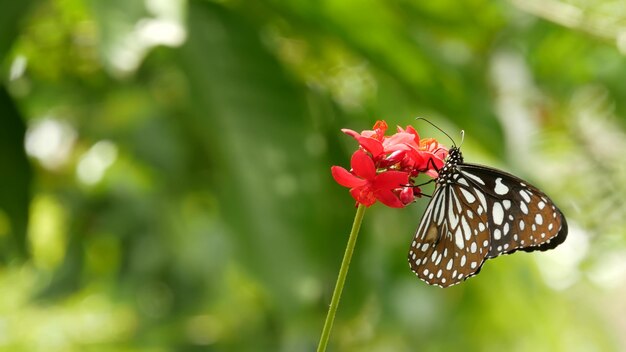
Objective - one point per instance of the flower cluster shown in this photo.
(384, 167)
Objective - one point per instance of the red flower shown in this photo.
(430, 149)
(410, 130)
(370, 140)
(408, 194)
(424, 155)
(432, 146)
(384, 166)
(366, 186)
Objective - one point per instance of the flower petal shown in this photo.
(415, 159)
(432, 173)
(380, 127)
(436, 161)
(388, 198)
(372, 145)
(363, 165)
(390, 180)
(398, 141)
(368, 140)
(363, 195)
(345, 178)
(407, 195)
(410, 129)
(393, 158)
(350, 132)
(431, 145)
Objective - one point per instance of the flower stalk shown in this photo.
(341, 278)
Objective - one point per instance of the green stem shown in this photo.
(341, 279)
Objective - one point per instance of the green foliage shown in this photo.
(166, 172)
(10, 17)
(15, 180)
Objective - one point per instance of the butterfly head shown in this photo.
(454, 156)
(448, 170)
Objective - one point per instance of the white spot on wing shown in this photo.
(497, 213)
(538, 219)
(523, 207)
(463, 182)
(468, 196)
(481, 198)
(500, 187)
(457, 202)
(525, 195)
(474, 177)
(458, 238)
(466, 229)
(452, 216)
(434, 256)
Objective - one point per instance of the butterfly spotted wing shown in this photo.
(478, 213)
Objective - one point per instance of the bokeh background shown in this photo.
(165, 171)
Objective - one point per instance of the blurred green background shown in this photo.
(166, 185)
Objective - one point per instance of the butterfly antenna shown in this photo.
(462, 138)
(440, 130)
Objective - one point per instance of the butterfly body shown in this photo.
(478, 213)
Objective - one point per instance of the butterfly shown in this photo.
(478, 213)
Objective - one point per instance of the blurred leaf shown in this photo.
(129, 29)
(16, 175)
(254, 122)
(121, 51)
(10, 17)
(441, 70)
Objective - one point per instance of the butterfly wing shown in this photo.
(452, 239)
(481, 214)
(521, 217)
